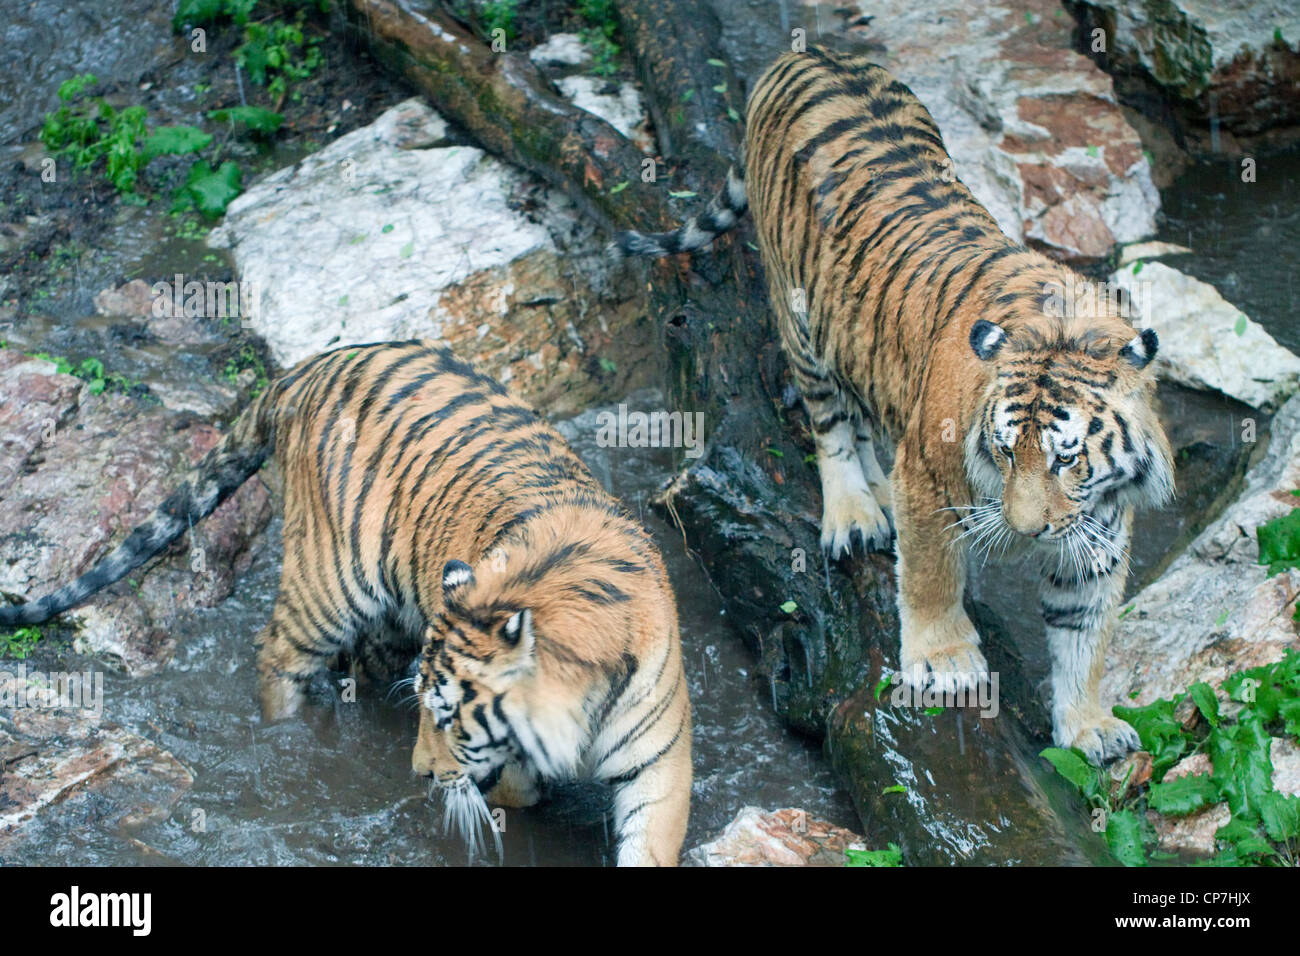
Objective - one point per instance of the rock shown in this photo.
(71, 763)
(1033, 127)
(1153, 249)
(1129, 773)
(135, 298)
(77, 473)
(1215, 611)
(618, 104)
(1194, 833)
(561, 49)
(1285, 754)
(1205, 341)
(776, 838)
(1235, 62)
(526, 296)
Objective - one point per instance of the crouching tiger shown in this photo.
(419, 492)
(1020, 417)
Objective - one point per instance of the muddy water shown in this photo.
(335, 787)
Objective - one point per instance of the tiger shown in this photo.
(421, 492)
(1019, 399)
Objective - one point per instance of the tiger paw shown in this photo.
(853, 515)
(1101, 737)
(944, 655)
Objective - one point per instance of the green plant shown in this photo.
(1264, 825)
(891, 856)
(277, 52)
(19, 644)
(91, 371)
(601, 34)
(500, 15)
(247, 360)
(89, 129)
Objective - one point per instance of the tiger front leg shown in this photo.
(1079, 595)
(292, 649)
(653, 802)
(939, 646)
(849, 507)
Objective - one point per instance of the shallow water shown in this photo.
(335, 787)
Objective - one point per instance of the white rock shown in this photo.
(561, 49)
(1215, 611)
(354, 243)
(622, 108)
(1206, 341)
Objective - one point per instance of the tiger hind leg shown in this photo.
(877, 480)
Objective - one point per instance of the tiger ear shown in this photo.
(1141, 349)
(986, 338)
(455, 576)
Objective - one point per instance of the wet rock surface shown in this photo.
(77, 472)
(1215, 611)
(71, 764)
(1229, 62)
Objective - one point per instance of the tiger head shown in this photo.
(476, 657)
(523, 640)
(1067, 430)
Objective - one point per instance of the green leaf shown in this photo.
(776, 453)
(1245, 839)
(1242, 767)
(933, 711)
(682, 194)
(1161, 734)
(175, 141)
(1124, 835)
(882, 684)
(1183, 795)
(1240, 327)
(1127, 611)
(615, 190)
(406, 250)
(720, 88)
(1281, 816)
(1279, 542)
(256, 118)
(789, 607)
(733, 115)
(890, 857)
(718, 63)
(896, 788)
(1071, 765)
(211, 190)
(1202, 695)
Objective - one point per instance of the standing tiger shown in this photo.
(419, 491)
(1019, 416)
